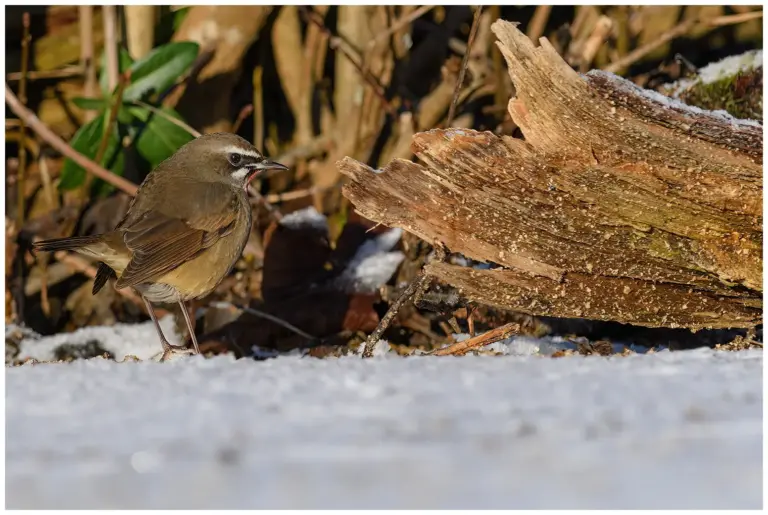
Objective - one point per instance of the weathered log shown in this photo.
(620, 204)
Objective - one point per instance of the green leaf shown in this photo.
(123, 114)
(90, 104)
(178, 17)
(160, 69)
(114, 161)
(124, 63)
(160, 138)
(87, 141)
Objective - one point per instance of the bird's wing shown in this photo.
(161, 239)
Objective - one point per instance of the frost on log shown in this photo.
(620, 204)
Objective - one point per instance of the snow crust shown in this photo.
(673, 103)
(663, 430)
(731, 65)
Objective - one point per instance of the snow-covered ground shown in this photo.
(664, 430)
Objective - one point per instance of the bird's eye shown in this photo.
(235, 159)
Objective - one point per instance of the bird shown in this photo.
(183, 231)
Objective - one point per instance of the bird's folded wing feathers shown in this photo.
(160, 242)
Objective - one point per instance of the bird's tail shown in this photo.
(71, 243)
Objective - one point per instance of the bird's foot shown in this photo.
(171, 352)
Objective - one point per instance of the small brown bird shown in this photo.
(184, 230)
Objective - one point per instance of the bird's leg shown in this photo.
(189, 326)
(168, 349)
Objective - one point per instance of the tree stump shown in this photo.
(620, 204)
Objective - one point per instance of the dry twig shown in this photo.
(401, 23)
(162, 114)
(476, 342)
(340, 44)
(417, 287)
(242, 115)
(59, 144)
(267, 316)
(675, 32)
(20, 184)
(464, 62)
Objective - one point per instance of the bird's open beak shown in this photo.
(262, 166)
(266, 164)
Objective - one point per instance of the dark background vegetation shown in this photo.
(277, 82)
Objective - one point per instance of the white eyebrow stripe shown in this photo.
(244, 151)
(240, 173)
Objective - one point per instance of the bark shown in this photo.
(619, 205)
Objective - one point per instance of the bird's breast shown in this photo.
(199, 276)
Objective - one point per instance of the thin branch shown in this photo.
(476, 342)
(679, 30)
(244, 113)
(34, 123)
(721, 21)
(419, 284)
(340, 44)
(400, 23)
(22, 171)
(63, 73)
(84, 267)
(464, 63)
(162, 114)
(112, 116)
(262, 314)
(416, 289)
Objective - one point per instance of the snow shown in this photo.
(662, 430)
(307, 217)
(717, 70)
(121, 340)
(731, 65)
(372, 265)
(673, 103)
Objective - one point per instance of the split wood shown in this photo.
(619, 204)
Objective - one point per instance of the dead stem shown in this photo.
(64, 73)
(22, 171)
(267, 316)
(464, 63)
(419, 284)
(338, 43)
(110, 45)
(34, 123)
(476, 342)
(242, 115)
(675, 32)
(401, 23)
(258, 110)
(87, 60)
(416, 289)
(539, 22)
(117, 99)
(172, 119)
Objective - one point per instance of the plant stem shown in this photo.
(22, 172)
